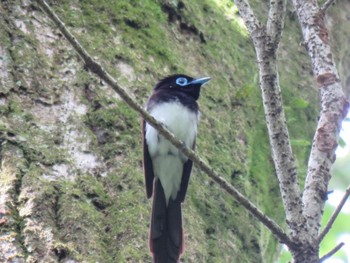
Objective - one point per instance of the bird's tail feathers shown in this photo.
(166, 235)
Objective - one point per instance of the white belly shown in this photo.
(167, 160)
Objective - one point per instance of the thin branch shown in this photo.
(334, 216)
(332, 252)
(327, 4)
(100, 72)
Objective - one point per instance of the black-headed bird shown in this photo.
(167, 170)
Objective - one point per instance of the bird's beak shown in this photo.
(200, 81)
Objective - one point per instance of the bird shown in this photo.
(167, 170)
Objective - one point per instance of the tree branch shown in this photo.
(248, 16)
(334, 107)
(266, 40)
(327, 4)
(332, 252)
(275, 20)
(334, 216)
(100, 72)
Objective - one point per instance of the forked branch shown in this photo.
(266, 39)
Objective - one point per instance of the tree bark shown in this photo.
(266, 40)
(334, 107)
(304, 215)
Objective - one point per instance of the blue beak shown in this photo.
(200, 81)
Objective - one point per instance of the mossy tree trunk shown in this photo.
(71, 183)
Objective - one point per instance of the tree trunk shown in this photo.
(306, 254)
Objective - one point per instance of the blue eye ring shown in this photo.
(181, 81)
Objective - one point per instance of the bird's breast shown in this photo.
(179, 119)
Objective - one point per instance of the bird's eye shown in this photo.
(181, 81)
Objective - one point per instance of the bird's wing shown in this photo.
(186, 172)
(147, 163)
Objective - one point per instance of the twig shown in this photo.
(334, 216)
(100, 72)
(332, 252)
(326, 5)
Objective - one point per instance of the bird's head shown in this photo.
(182, 83)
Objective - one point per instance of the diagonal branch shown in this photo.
(327, 5)
(334, 216)
(332, 252)
(248, 16)
(100, 72)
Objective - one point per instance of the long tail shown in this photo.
(166, 237)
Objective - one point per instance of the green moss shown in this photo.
(114, 126)
(81, 219)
